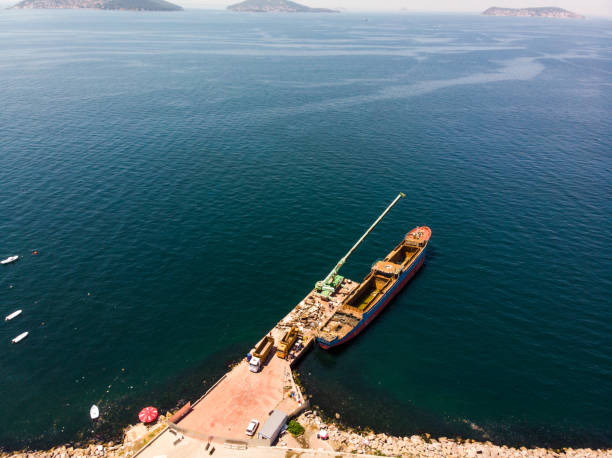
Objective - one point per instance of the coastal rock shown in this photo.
(347, 440)
(137, 5)
(547, 11)
(370, 443)
(279, 6)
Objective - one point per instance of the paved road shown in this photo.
(169, 446)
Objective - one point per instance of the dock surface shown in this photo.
(241, 396)
(222, 414)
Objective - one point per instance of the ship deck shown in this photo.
(367, 294)
(309, 315)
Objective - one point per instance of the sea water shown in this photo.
(185, 179)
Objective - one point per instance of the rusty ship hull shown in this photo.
(379, 287)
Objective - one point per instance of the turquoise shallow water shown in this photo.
(187, 177)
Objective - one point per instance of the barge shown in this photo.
(377, 289)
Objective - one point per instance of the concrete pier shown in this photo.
(222, 414)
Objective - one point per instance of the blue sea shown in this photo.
(185, 178)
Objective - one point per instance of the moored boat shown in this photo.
(20, 337)
(377, 289)
(10, 259)
(15, 314)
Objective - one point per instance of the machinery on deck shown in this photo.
(328, 286)
(287, 342)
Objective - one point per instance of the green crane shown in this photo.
(330, 283)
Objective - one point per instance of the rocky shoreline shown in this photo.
(341, 439)
(64, 451)
(351, 441)
(134, 438)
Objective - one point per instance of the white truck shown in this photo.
(260, 353)
(254, 364)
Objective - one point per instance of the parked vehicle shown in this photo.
(253, 424)
(287, 342)
(254, 364)
(260, 354)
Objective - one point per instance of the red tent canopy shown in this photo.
(148, 414)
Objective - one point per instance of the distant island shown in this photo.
(545, 11)
(134, 5)
(282, 6)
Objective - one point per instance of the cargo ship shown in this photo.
(377, 289)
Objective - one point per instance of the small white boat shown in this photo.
(94, 412)
(13, 315)
(10, 259)
(20, 337)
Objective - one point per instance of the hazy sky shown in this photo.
(586, 7)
